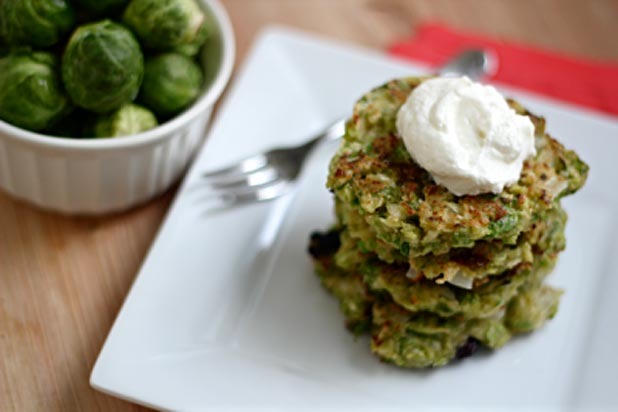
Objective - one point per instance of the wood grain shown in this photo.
(63, 279)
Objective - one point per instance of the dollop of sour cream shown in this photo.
(465, 135)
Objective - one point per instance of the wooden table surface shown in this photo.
(63, 279)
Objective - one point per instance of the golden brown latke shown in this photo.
(417, 323)
(373, 172)
(484, 258)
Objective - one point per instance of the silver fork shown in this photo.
(272, 174)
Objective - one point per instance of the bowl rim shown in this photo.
(206, 99)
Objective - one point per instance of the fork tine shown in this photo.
(260, 193)
(244, 190)
(259, 177)
(228, 200)
(248, 165)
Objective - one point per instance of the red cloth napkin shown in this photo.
(584, 82)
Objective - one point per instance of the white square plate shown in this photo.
(227, 314)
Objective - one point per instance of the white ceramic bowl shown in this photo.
(93, 176)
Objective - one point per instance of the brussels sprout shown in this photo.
(172, 82)
(100, 7)
(163, 25)
(102, 66)
(129, 119)
(38, 23)
(31, 94)
(191, 49)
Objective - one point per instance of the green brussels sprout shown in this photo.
(193, 48)
(164, 25)
(39, 23)
(127, 120)
(102, 66)
(100, 7)
(31, 94)
(172, 82)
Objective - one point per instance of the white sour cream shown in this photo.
(465, 135)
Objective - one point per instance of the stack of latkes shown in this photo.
(429, 275)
